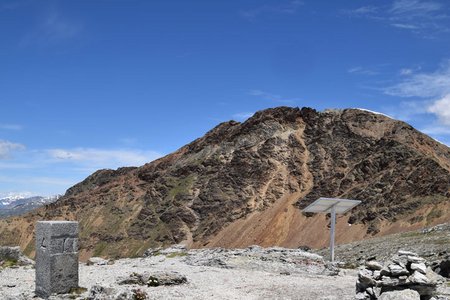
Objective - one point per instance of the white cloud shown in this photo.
(272, 97)
(290, 7)
(6, 148)
(405, 26)
(103, 158)
(361, 11)
(361, 71)
(11, 126)
(406, 71)
(434, 88)
(424, 18)
(441, 108)
(424, 85)
(414, 7)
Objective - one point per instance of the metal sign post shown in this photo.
(332, 206)
(332, 232)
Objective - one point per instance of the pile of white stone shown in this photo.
(405, 273)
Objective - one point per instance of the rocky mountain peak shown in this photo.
(246, 183)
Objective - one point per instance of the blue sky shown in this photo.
(86, 85)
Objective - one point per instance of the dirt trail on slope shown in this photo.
(281, 224)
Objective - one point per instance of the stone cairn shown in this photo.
(405, 271)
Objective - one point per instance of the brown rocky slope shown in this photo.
(245, 183)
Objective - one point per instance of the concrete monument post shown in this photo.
(56, 257)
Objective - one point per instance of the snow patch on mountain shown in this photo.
(374, 112)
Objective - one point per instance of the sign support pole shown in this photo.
(332, 231)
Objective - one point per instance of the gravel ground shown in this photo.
(236, 278)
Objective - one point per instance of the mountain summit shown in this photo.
(246, 183)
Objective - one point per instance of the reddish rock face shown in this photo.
(245, 183)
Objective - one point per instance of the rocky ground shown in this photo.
(432, 243)
(252, 273)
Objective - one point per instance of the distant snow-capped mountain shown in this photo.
(16, 204)
(12, 197)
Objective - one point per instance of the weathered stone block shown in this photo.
(56, 257)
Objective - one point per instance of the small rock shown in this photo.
(304, 248)
(152, 252)
(420, 267)
(97, 261)
(418, 277)
(377, 275)
(331, 269)
(369, 291)
(385, 272)
(373, 265)
(14, 254)
(406, 253)
(254, 248)
(174, 249)
(400, 295)
(362, 296)
(415, 259)
(397, 270)
(98, 292)
(376, 292)
(388, 282)
(402, 261)
(156, 279)
(442, 267)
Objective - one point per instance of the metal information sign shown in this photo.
(333, 206)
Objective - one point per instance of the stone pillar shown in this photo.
(56, 257)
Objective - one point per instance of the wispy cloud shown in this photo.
(434, 89)
(52, 29)
(361, 71)
(411, 8)
(54, 170)
(272, 97)
(406, 110)
(425, 18)
(361, 11)
(406, 71)
(441, 108)
(243, 116)
(7, 148)
(103, 158)
(290, 7)
(405, 26)
(11, 127)
(423, 85)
